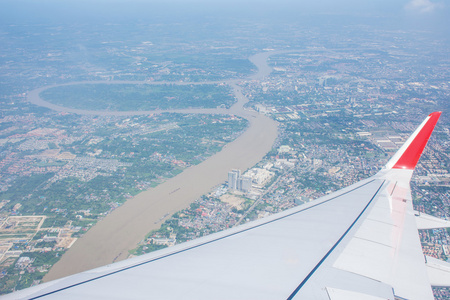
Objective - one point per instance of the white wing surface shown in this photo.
(358, 243)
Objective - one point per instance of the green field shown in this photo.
(14, 236)
(135, 97)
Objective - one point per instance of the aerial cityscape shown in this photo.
(96, 114)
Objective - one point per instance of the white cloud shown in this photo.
(423, 6)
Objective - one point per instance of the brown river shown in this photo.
(111, 238)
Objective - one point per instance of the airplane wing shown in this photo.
(358, 243)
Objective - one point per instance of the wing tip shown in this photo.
(435, 114)
(408, 155)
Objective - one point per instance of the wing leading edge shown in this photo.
(358, 243)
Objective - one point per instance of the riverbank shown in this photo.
(111, 238)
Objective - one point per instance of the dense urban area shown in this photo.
(344, 104)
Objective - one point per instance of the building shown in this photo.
(238, 182)
(244, 184)
(233, 177)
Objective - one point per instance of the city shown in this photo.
(343, 105)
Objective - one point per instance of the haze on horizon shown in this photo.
(431, 14)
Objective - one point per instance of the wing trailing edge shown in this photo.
(438, 272)
(425, 221)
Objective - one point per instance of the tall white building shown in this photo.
(233, 177)
(245, 183)
(238, 182)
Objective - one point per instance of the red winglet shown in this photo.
(411, 155)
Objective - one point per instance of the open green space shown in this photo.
(13, 236)
(136, 97)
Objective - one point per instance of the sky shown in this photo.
(247, 6)
(429, 14)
